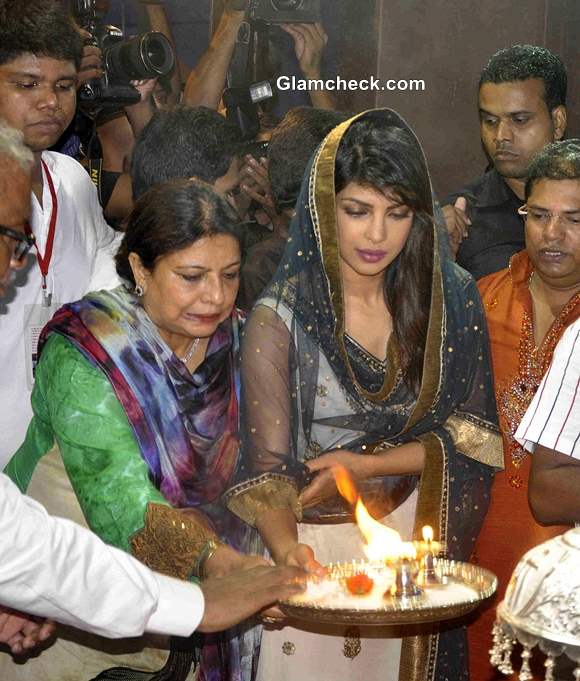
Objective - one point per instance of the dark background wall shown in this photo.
(447, 42)
(443, 42)
(190, 22)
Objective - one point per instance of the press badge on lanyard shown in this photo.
(37, 316)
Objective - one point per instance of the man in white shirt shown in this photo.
(551, 430)
(55, 568)
(52, 567)
(40, 53)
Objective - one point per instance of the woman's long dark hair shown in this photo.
(378, 155)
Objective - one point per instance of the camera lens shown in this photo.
(156, 53)
(146, 56)
(285, 5)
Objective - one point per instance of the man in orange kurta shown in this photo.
(528, 306)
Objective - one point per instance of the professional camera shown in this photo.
(241, 109)
(250, 71)
(148, 55)
(285, 11)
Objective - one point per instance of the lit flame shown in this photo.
(427, 532)
(345, 484)
(382, 543)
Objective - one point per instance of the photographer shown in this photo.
(277, 186)
(120, 99)
(206, 83)
(309, 43)
(208, 149)
(117, 133)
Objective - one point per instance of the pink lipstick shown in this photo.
(370, 256)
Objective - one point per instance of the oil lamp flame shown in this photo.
(427, 533)
(382, 543)
(345, 484)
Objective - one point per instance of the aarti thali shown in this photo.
(399, 583)
(456, 588)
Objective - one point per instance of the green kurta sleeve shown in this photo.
(74, 403)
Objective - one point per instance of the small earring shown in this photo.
(139, 290)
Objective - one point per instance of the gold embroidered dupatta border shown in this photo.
(418, 655)
(323, 210)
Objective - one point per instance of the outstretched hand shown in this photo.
(232, 599)
(323, 486)
(21, 632)
(226, 561)
(302, 556)
(309, 43)
(91, 60)
(145, 87)
(256, 183)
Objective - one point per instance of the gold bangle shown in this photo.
(211, 546)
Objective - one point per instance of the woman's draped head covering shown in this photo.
(309, 280)
(331, 393)
(438, 327)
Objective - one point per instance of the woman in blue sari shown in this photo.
(369, 349)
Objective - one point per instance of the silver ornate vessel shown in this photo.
(541, 608)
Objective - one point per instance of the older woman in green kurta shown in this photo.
(138, 387)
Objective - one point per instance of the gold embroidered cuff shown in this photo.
(172, 542)
(476, 439)
(269, 492)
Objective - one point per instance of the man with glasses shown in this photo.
(24, 242)
(528, 307)
(15, 243)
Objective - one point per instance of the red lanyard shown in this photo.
(44, 260)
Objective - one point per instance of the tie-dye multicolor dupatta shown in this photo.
(186, 425)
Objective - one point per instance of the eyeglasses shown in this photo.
(544, 217)
(24, 242)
